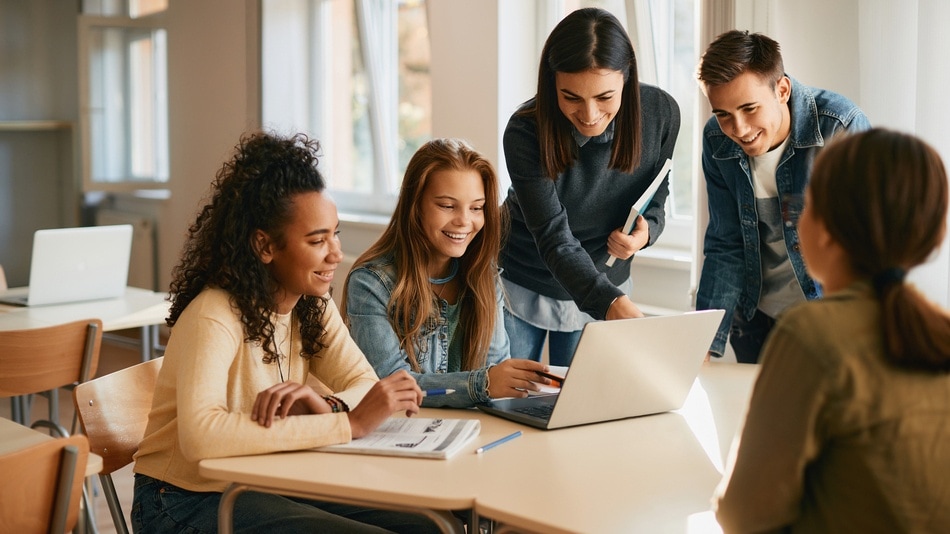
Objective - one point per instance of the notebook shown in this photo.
(75, 264)
(623, 368)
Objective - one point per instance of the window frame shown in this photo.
(375, 23)
(86, 24)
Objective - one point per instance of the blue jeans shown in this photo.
(527, 341)
(748, 337)
(159, 507)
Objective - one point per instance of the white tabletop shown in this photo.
(652, 474)
(136, 308)
(649, 474)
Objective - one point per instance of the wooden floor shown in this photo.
(111, 358)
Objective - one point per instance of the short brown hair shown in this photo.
(735, 52)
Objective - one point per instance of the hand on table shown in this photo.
(515, 377)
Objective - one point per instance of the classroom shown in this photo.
(233, 66)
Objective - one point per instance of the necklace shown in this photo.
(442, 282)
(280, 356)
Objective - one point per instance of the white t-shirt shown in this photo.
(780, 287)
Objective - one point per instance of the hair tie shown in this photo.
(888, 277)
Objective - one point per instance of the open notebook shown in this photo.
(624, 368)
(75, 264)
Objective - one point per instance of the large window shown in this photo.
(355, 75)
(123, 94)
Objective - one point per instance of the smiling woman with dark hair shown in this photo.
(580, 153)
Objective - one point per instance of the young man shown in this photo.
(758, 150)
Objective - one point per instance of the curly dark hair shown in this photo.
(253, 191)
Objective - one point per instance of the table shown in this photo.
(649, 474)
(137, 308)
(14, 436)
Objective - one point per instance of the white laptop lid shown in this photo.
(625, 368)
(632, 367)
(77, 264)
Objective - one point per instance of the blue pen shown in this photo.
(431, 392)
(497, 442)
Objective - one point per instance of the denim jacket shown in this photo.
(732, 270)
(367, 309)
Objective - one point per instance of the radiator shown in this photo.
(143, 266)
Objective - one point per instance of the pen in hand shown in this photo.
(497, 442)
(432, 392)
(558, 380)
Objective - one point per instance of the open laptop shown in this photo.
(623, 368)
(75, 264)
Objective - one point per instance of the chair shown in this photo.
(37, 360)
(42, 486)
(113, 410)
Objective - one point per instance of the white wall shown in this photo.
(484, 64)
(889, 57)
(213, 97)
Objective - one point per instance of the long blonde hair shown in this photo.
(412, 304)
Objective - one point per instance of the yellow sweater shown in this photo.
(210, 378)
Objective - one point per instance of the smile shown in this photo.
(750, 141)
(593, 123)
(325, 275)
(456, 237)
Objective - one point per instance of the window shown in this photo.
(355, 75)
(123, 91)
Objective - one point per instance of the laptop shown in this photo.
(75, 264)
(622, 368)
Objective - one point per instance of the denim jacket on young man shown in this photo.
(732, 270)
(367, 308)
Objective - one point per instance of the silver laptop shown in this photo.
(75, 264)
(623, 368)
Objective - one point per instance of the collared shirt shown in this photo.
(547, 313)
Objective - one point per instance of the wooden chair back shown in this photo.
(42, 486)
(113, 411)
(40, 359)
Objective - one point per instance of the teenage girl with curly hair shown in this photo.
(251, 322)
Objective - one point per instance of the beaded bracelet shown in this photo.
(336, 405)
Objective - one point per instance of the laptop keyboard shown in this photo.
(542, 411)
